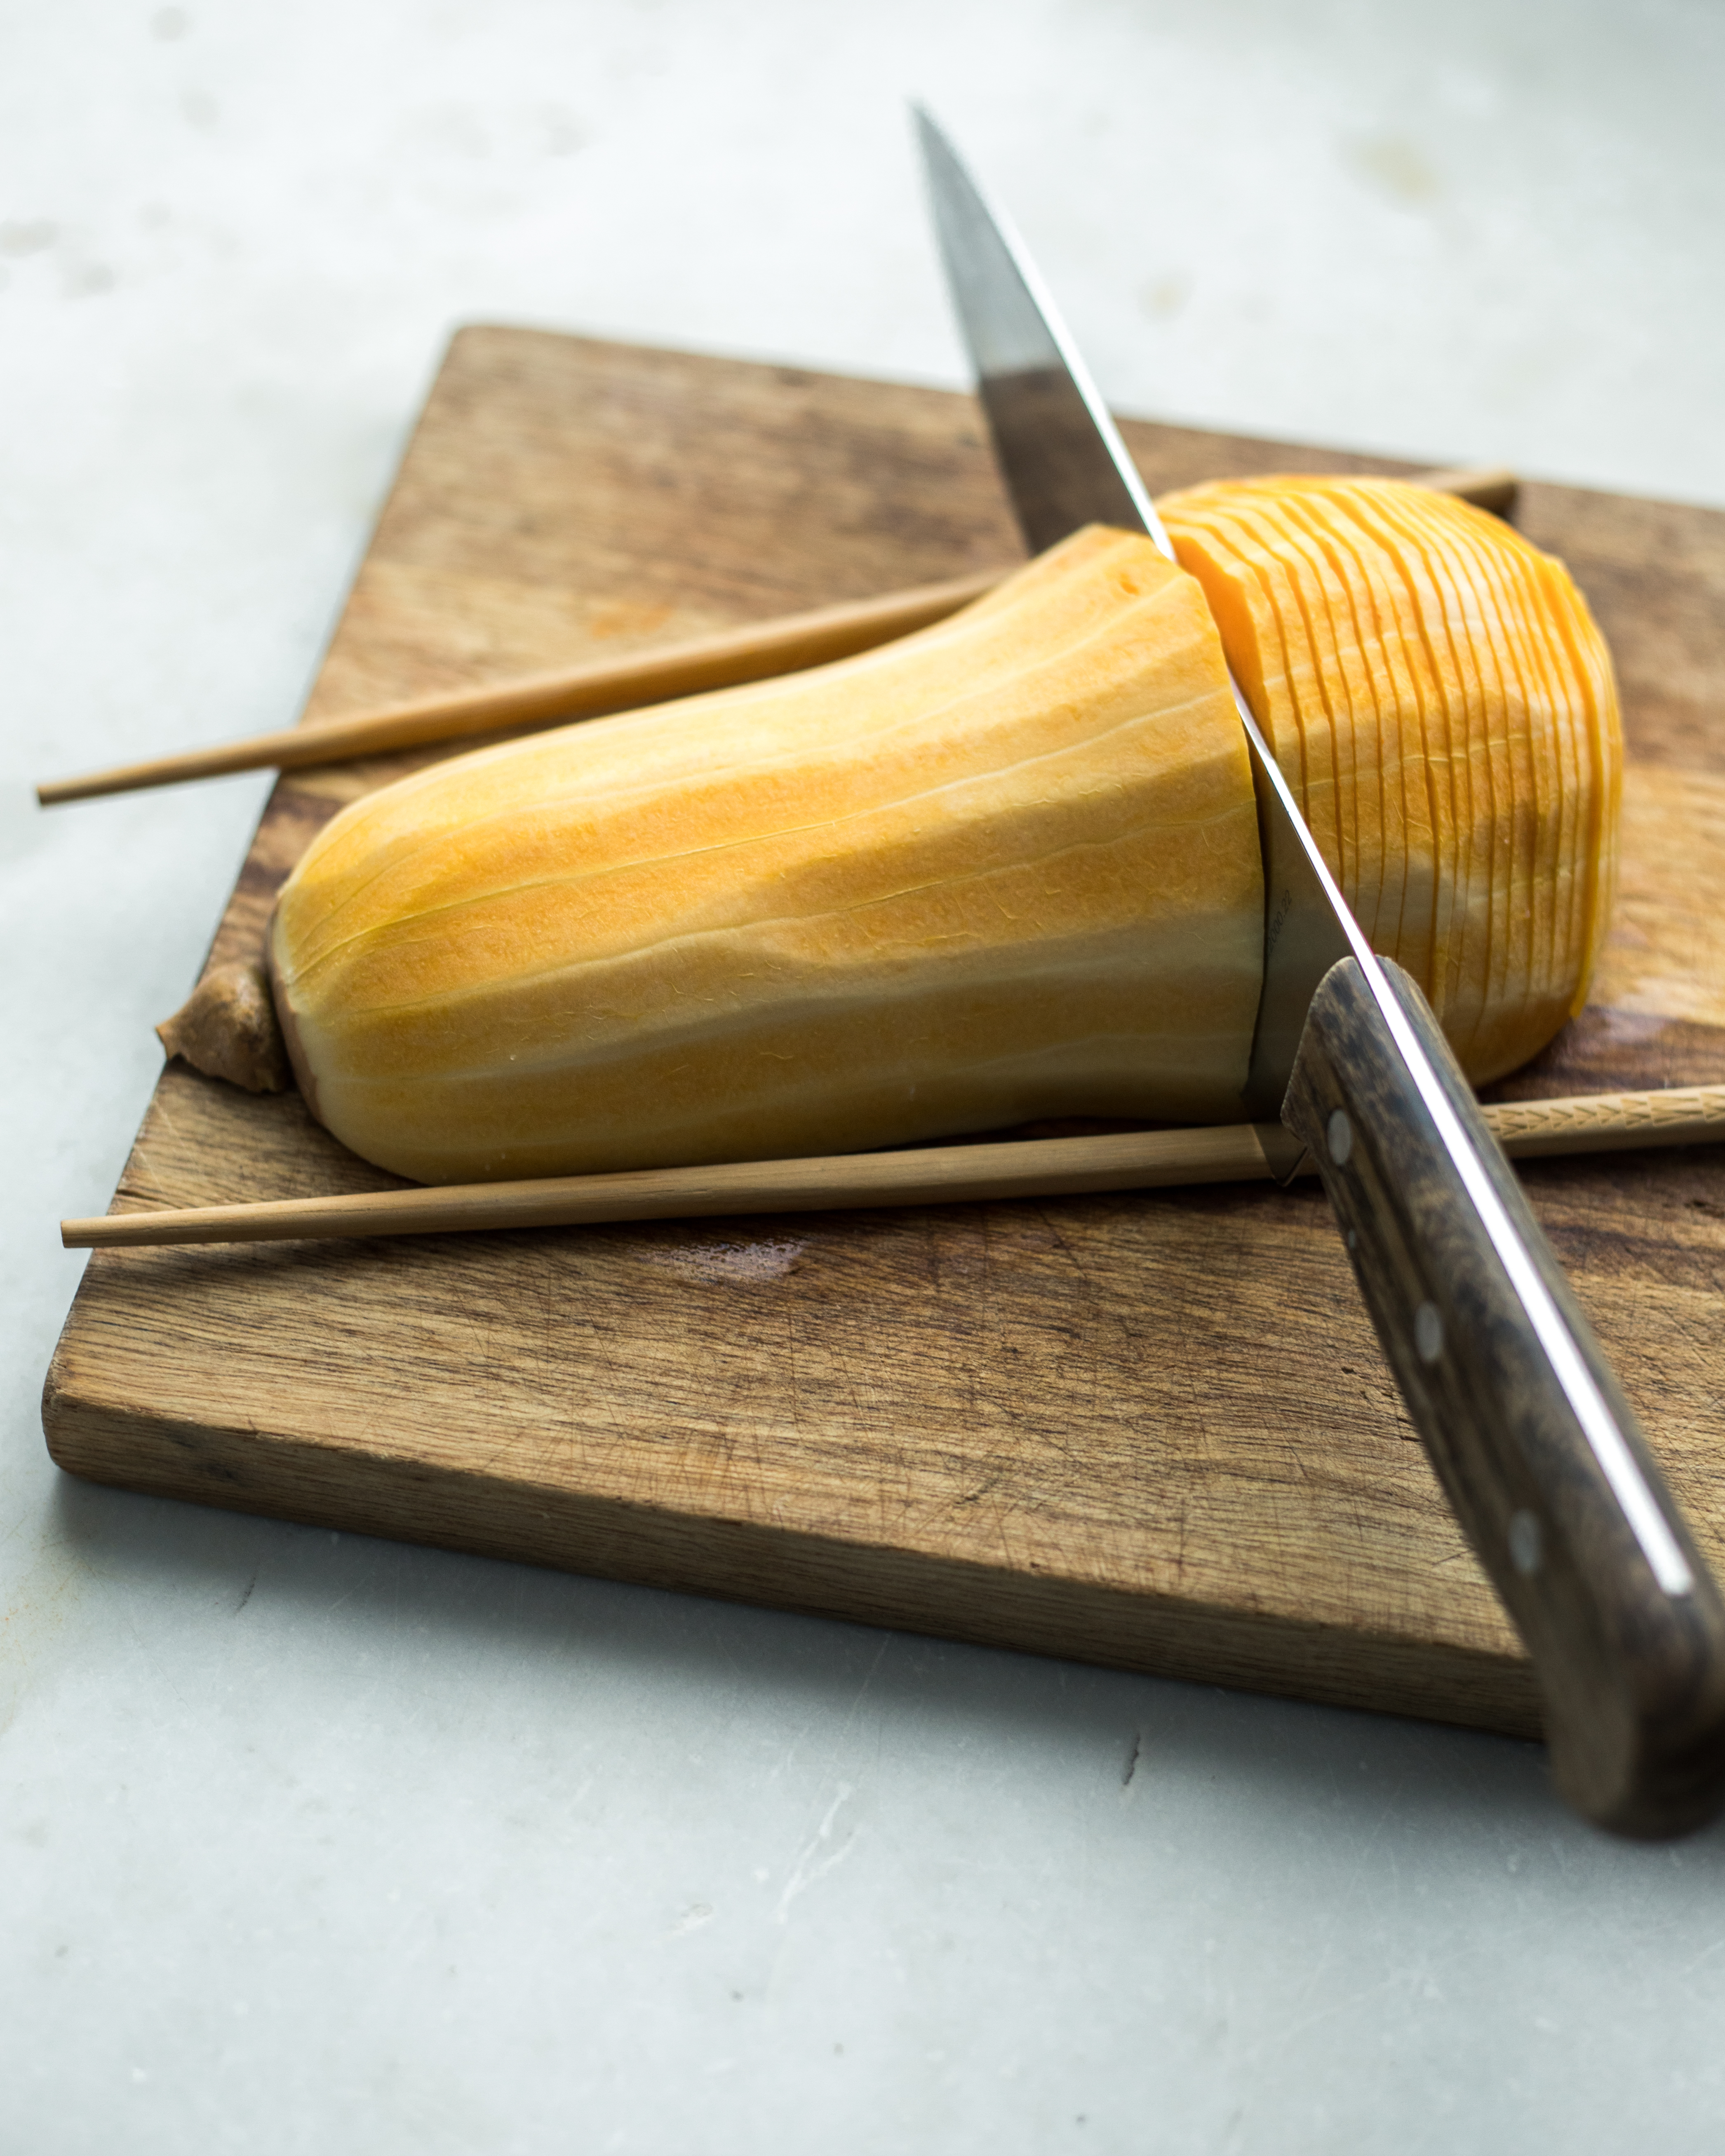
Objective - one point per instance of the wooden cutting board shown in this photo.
(1149, 1430)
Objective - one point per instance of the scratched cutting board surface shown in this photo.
(1150, 1430)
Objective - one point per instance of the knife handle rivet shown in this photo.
(1340, 1132)
(1428, 1338)
(1527, 1543)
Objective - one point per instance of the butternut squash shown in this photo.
(1005, 868)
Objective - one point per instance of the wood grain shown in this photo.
(1148, 1429)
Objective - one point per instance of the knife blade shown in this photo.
(1530, 1435)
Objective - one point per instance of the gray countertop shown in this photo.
(312, 1842)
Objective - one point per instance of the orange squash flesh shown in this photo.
(1387, 702)
(1505, 638)
(1439, 768)
(1482, 775)
(1501, 810)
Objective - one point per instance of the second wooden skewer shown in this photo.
(1026, 1167)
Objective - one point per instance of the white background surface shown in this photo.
(310, 1843)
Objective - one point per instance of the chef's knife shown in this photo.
(1524, 1423)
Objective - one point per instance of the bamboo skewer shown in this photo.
(753, 653)
(1027, 1168)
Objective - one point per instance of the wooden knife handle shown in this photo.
(1533, 1441)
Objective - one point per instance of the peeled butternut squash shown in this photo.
(1006, 868)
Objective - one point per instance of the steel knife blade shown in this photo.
(1530, 1433)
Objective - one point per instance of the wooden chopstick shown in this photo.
(752, 652)
(1026, 1167)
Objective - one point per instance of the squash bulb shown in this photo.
(1005, 868)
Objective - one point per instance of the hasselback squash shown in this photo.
(1440, 697)
(1006, 868)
